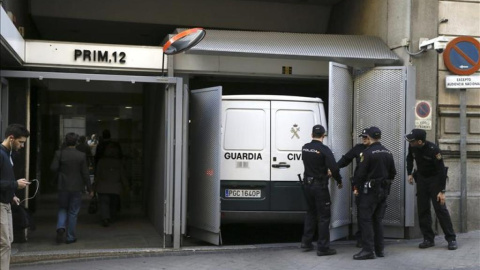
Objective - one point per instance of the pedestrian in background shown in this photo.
(372, 183)
(346, 159)
(93, 143)
(15, 138)
(431, 180)
(83, 146)
(71, 166)
(110, 181)
(317, 160)
(102, 145)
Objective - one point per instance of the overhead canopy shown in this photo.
(348, 49)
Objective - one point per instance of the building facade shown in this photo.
(400, 24)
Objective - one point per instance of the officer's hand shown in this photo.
(22, 183)
(410, 179)
(329, 173)
(441, 198)
(16, 200)
(355, 192)
(340, 186)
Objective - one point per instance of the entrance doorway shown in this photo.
(87, 109)
(135, 109)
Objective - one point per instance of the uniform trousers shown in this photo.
(427, 192)
(372, 211)
(358, 234)
(318, 215)
(6, 235)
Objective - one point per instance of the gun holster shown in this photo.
(309, 180)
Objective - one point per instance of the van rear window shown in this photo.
(245, 129)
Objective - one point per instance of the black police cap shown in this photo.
(364, 133)
(318, 130)
(374, 133)
(416, 134)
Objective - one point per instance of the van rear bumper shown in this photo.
(276, 196)
(295, 217)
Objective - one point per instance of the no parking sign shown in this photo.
(462, 55)
(423, 114)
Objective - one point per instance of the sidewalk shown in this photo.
(400, 254)
(132, 230)
(133, 236)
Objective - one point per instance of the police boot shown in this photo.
(364, 255)
(306, 247)
(326, 252)
(426, 244)
(452, 245)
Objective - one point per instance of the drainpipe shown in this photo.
(27, 148)
(463, 160)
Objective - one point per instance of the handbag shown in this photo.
(93, 205)
(21, 217)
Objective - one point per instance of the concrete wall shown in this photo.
(227, 14)
(394, 20)
(463, 20)
(18, 10)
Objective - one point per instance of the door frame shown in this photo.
(174, 177)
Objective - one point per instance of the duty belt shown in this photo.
(310, 180)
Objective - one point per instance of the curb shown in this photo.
(29, 258)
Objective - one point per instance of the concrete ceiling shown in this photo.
(148, 22)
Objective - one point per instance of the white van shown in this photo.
(261, 141)
(245, 157)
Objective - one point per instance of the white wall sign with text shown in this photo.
(423, 114)
(462, 82)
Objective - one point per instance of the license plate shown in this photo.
(242, 193)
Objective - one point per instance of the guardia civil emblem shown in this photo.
(294, 130)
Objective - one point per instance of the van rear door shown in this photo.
(245, 155)
(292, 123)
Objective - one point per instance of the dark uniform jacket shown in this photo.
(8, 184)
(429, 163)
(376, 162)
(354, 153)
(317, 159)
(73, 168)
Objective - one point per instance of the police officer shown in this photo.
(372, 184)
(346, 159)
(317, 160)
(431, 180)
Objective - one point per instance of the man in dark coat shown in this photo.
(71, 166)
